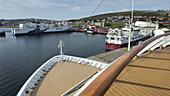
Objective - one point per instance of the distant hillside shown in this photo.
(126, 13)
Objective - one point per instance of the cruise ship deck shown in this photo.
(147, 76)
(61, 78)
(144, 70)
(61, 75)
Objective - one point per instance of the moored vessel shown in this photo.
(37, 28)
(95, 29)
(117, 38)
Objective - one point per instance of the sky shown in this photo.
(71, 9)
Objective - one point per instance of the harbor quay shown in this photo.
(109, 56)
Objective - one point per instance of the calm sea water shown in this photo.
(21, 56)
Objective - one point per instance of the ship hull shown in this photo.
(40, 32)
(117, 46)
(113, 46)
(49, 32)
(41, 28)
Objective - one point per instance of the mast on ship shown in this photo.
(130, 26)
(60, 45)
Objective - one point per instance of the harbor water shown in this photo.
(5, 29)
(20, 56)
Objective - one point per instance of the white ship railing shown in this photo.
(100, 83)
(41, 71)
(160, 42)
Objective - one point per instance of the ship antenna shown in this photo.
(130, 31)
(97, 7)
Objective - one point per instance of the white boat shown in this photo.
(145, 24)
(117, 38)
(90, 30)
(35, 28)
(95, 29)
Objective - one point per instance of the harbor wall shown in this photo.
(109, 56)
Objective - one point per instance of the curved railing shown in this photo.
(98, 85)
(41, 71)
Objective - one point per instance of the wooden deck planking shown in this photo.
(62, 77)
(125, 89)
(146, 76)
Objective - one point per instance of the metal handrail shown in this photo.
(33, 79)
(101, 84)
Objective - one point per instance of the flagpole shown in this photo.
(61, 47)
(130, 26)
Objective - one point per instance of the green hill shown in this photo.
(126, 13)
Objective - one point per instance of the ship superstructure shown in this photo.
(35, 28)
(117, 38)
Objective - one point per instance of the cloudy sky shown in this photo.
(71, 9)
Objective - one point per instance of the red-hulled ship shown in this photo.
(118, 38)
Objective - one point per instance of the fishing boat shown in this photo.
(89, 30)
(37, 28)
(118, 38)
(124, 37)
(95, 29)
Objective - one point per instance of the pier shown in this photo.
(110, 56)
